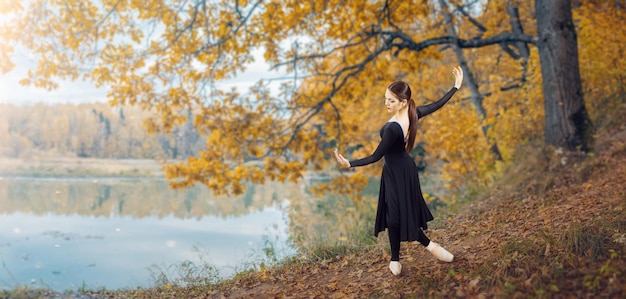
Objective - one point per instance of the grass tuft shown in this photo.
(594, 240)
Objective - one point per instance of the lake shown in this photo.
(67, 234)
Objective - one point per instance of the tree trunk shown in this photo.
(476, 97)
(567, 123)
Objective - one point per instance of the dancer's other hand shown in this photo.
(343, 162)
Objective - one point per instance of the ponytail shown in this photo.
(412, 126)
(403, 92)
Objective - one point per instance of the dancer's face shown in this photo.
(392, 103)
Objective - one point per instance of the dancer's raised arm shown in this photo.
(432, 107)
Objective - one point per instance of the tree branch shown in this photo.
(480, 26)
(391, 40)
(463, 43)
(340, 79)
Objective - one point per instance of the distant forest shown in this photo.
(94, 130)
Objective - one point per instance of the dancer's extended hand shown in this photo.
(458, 76)
(343, 162)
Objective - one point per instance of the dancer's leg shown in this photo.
(439, 252)
(421, 237)
(394, 242)
(393, 229)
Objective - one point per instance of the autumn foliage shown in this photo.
(168, 58)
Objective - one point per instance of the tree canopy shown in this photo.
(169, 56)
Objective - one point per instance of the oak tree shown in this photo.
(169, 57)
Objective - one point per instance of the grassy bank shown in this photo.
(80, 167)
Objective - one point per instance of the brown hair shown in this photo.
(403, 92)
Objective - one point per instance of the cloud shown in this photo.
(68, 92)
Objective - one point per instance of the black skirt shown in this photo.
(400, 198)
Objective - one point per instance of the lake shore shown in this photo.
(81, 167)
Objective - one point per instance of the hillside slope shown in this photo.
(555, 226)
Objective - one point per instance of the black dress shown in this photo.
(400, 197)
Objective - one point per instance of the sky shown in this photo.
(86, 92)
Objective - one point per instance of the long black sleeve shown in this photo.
(432, 107)
(390, 134)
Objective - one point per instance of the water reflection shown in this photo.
(131, 197)
(65, 234)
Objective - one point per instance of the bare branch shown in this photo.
(488, 94)
(480, 26)
(508, 50)
(407, 43)
(323, 55)
(242, 23)
(179, 33)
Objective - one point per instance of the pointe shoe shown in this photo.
(395, 268)
(439, 252)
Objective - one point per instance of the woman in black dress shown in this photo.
(401, 206)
